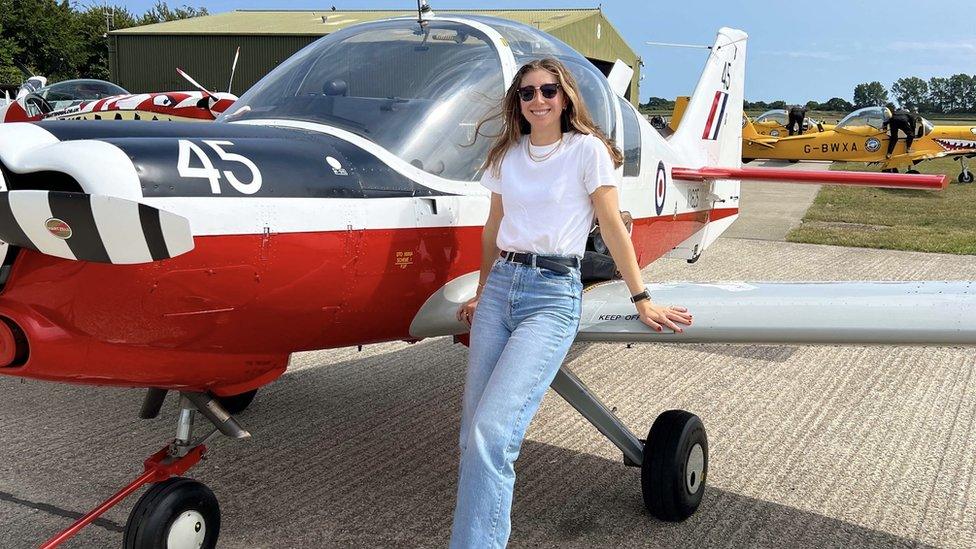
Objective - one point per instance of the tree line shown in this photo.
(942, 95)
(60, 40)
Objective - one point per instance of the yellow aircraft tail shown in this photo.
(680, 104)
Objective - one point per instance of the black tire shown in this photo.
(675, 466)
(166, 503)
(913, 172)
(236, 404)
(966, 177)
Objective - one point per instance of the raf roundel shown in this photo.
(873, 144)
(660, 187)
(58, 228)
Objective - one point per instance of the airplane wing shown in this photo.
(915, 157)
(899, 313)
(764, 141)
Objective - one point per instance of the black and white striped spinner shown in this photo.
(103, 229)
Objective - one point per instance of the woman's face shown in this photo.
(541, 112)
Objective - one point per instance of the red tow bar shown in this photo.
(159, 467)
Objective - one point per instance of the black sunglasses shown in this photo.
(527, 93)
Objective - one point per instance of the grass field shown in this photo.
(894, 219)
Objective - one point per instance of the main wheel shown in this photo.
(178, 513)
(675, 465)
(236, 404)
(913, 171)
(965, 176)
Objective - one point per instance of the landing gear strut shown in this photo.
(673, 459)
(176, 512)
(965, 176)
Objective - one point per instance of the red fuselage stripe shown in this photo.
(711, 116)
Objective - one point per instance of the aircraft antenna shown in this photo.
(423, 12)
(673, 45)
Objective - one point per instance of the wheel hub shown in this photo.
(187, 531)
(695, 469)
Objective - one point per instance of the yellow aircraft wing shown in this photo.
(918, 156)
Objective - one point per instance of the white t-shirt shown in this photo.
(547, 203)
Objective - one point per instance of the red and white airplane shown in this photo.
(337, 203)
(99, 100)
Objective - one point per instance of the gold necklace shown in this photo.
(545, 156)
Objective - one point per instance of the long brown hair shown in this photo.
(575, 117)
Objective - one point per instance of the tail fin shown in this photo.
(680, 105)
(748, 130)
(711, 128)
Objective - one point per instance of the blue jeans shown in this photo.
(525, 321)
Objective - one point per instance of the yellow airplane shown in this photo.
(773, 124)
(859, 138)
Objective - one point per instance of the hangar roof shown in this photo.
(320, 22)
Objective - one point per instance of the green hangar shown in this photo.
(145, 59)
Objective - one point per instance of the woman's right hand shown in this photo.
(657, 316)
(466, 310)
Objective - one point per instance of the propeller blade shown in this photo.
(233, 67)
(194, 82)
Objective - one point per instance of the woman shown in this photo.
(549, 171)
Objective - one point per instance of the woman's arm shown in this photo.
(489, 253)
(606, 202)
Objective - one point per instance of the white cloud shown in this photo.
(960, 46)
(803, 54)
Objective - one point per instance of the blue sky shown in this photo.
(797, 50)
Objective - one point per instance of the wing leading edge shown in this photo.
(892, 313)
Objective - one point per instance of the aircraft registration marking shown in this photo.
(834, 147)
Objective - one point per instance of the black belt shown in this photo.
(555, 263)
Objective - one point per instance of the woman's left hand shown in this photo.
(669, 316)
(465, 312)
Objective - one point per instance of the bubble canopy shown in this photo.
(868, 116)
(418, 92)
(775, 115)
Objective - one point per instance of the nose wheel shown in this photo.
(178, 513)
(175, 512)
(965, 176)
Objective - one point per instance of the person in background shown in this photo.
(902, 120)
(796, 115)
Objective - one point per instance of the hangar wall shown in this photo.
(148, 63)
